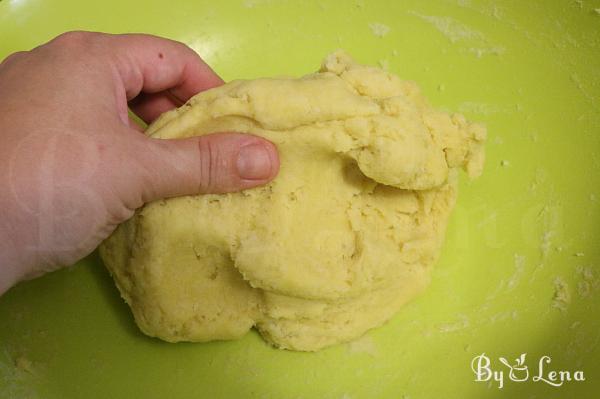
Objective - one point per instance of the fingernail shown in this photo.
(254, 162)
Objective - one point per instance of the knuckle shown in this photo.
(181, 46)
(76, 47)
(14, 57)
(207, 169)
(75, 37)
(213, 166)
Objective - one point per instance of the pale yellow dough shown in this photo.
(344, 236)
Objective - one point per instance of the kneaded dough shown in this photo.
(335, 245)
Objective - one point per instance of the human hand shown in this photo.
(73, 165)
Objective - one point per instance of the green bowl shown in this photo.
(519, 272)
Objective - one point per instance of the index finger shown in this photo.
(150, 65)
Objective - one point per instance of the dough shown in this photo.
(334, 246)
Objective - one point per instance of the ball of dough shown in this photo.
(335, 245)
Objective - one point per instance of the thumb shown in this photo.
(214, 163)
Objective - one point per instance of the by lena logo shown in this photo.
(519, 371)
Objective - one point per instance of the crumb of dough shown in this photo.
(546, 242)
(364, 344)
(334, 246)
(583, 288)
(562, 297)
(384, 64)
(519, 262)
(379, 30)
(24, 364)
(460, 324)
(587, 282)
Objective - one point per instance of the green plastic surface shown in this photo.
(524, 234)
